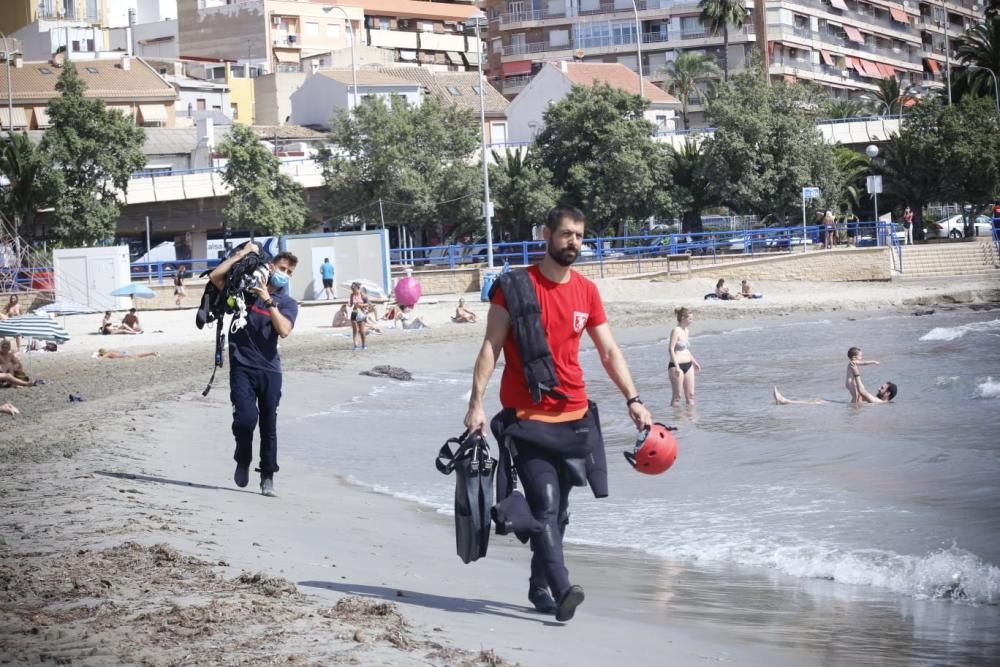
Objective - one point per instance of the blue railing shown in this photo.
(166, 270)
(649, 246)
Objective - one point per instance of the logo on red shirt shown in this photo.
(579, 321)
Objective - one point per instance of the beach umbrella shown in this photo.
(373, 289)
(65, 308)
(34, 326)
(134, 290)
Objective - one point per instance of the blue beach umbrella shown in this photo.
(134, 290)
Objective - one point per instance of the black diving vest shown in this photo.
(526, 325)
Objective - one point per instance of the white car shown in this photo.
(953, 227)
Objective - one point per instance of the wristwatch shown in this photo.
(269, 304)
(634, 399)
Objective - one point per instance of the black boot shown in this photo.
(544, 604)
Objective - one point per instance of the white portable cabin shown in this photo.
(89, 275)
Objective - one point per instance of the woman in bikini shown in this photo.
(683, 365)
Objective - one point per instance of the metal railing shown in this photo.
(714, 244)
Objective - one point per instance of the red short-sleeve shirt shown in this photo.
(568, 309)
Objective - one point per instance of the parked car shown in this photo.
(953, 227)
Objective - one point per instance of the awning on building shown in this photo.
(454, 57)
(20, 119)
(827, 58)
(153, 113)
(290, 57)
(516, 68)
(899, 15)
(854, 64)
(42, 118)
(854, 34)
(888, 71)
(932, 65)
(839, 4)
(405, 54)
(871, 69)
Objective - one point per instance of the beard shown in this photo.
(564, 257)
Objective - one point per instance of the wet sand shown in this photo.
(125, 541)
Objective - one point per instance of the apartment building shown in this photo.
(846, 46)
(281, 35)
(126, 84)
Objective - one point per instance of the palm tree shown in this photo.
(851, 169)
(23, 193)
(692, 185)
(522, 189)
(980, 46)
(717, 16)
(844, 108)
(683, 75)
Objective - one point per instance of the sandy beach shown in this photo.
(125, 541)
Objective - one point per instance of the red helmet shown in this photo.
(656, 450)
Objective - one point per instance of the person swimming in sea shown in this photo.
(886, 392)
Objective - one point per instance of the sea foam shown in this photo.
(954, 333)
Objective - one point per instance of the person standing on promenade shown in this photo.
(179, 293)
(908, 224)
(326, 273)
(255, 366)
(682, 365)
(554, 429)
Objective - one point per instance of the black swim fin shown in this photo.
(474, 471)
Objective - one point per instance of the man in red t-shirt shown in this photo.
(570, 304)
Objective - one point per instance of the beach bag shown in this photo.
(468, 456)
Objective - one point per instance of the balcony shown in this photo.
(516, 18)
(532, 47)
(867, 17)
(289, 41)
(516, 84)
(828, 37)
(395, 39)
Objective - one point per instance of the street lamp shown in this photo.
(947, 49)
(10, 95)
(478, 21)
(638, 46)
(350, 31)
(872, 152)
(996, 84)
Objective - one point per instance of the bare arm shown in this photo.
(218, 274)
(617, 369)
(497, 327)
(864, 394)
(866, 362)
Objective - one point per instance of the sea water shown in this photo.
(897, 501)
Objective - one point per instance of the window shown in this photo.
(661, 122)
(234, 110)
(498, 132)
(559, 38)
(90, 45)
(496, 45)
(589, 35)
(200, 104)
(454, 91)
(332, 30)
(623, 32)
(515, 7)
(383, 23)
(76, 45)
(311, 29)
(426, 26)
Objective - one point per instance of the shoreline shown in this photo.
(146, 459)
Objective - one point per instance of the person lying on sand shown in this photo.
(462, 314)
(408, 321)
(124, 354)
(9, 409)
(886, 392)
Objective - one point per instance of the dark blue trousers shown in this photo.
(255, 395)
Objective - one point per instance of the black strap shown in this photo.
(219, 344)
(465, 446)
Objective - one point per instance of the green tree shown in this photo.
(415, 159)
(717, 16)
(261, 198)
(851, 168)
(21, 193)
(889, 96)
(602, 156)
(89, 154)
(843, 108)
(911, 162)
(522, 190)
(683, 74)
(693, 191)
(970, 139)
(766, 147)
(979, 47)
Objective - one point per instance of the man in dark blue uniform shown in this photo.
(255, 367)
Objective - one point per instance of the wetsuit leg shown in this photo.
(243, 395)
(548, 496)
(268, 396)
